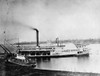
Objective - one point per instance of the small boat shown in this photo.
(21, 61)
(83, 52)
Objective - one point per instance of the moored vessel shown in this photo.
(20, 61)
(67, 50)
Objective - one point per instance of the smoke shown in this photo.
(14, 29)
(54, 18)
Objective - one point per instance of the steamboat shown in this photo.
(68, 50)
(52, 51)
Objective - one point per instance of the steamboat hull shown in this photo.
(51, 56)
(57, 56)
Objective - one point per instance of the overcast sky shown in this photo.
(66, 19)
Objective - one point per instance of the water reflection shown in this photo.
(79, 64)
(83, 59)
(89, 63)
(43, 59)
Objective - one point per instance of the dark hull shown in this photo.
(14, 67)
(18, 65)
(51, 56)
(57, 56)
(87, 54)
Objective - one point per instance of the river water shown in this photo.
(76, 64)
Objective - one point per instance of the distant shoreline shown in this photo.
(75, 41)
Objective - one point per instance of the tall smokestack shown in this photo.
(37, 36)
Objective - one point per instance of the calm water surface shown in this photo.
(80, 64)
(76, 64)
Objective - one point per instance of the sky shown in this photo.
(65, 19)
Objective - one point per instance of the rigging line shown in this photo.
(5, 48)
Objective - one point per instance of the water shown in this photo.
(75, 64)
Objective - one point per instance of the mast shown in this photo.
(4, 37)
